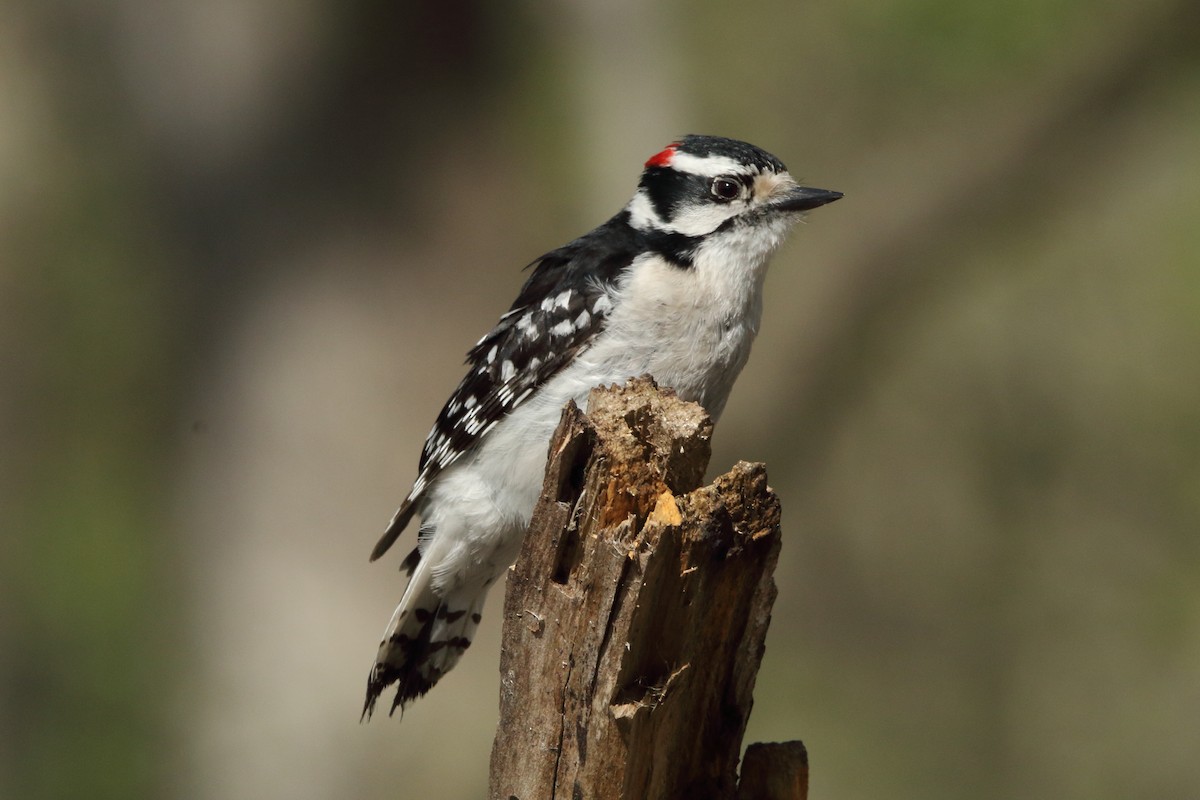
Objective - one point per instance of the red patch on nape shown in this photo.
(662, 159)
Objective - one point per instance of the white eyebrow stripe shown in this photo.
(710, 166)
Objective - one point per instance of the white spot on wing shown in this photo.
(507, 370)
(561, 329)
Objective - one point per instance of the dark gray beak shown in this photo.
(802, 198)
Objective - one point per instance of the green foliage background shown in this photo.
(244, 245)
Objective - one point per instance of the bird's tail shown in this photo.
(424, 640)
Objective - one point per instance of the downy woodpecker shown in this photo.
(671, 286)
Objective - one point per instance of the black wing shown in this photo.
(559, 311)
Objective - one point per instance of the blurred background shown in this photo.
(245, 244)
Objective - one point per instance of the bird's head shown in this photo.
(699, 185)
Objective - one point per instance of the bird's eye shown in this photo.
(724, 189)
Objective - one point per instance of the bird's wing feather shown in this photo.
(561, 308)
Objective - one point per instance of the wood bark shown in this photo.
(635, 616)
(774, 771)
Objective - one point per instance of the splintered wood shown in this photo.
(636, 613)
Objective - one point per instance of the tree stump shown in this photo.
(635, 615)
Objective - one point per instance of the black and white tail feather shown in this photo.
(670, 286)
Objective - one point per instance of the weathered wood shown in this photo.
(774, 771)
(635, 616)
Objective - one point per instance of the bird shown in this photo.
(671, 287)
